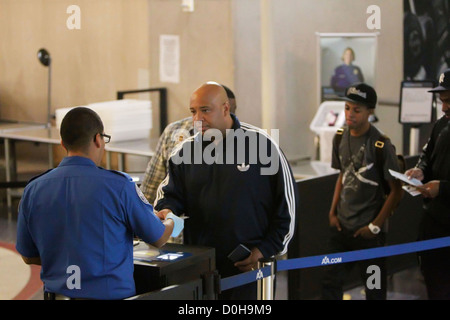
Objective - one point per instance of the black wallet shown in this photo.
(241, 252)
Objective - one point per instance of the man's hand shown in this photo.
(250, 263)
(365, 233)
(415, 173)
(162, 213)
(430, 189)
(334, 222)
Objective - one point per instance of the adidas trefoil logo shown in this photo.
(243, 167)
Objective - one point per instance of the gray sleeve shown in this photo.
(335, 162)
(390, 160)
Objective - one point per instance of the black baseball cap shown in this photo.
(444, 82)
(361, 93)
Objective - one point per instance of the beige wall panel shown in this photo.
(206, 47)
(88, 65)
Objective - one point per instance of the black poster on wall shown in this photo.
(426, 27)
(426, 38)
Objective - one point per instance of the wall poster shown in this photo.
(344, 59)
(426, 38)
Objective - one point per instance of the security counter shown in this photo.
(173, 264)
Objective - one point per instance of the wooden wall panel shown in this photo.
(88, 65)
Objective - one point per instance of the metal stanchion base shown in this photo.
(266, 287)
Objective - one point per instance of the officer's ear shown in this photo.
(97, 141)
(62, 143)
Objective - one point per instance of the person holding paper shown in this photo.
(433, 169)
(359, 206)
(78, 220)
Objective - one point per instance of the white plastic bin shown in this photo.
(328, 119)
(124, 120)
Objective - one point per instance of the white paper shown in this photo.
(411, 190)
(169, 58)
(404, 178)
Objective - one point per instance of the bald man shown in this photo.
(173, 134)
(222, 183)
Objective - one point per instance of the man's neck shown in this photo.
(229, 126)
(81, 154)
(360, 131)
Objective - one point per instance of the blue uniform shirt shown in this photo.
(81, 216)
(346, 75)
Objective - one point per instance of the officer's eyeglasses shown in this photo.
(106, 137)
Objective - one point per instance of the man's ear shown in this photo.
(97, 140)
(226, 108)
(62, 143)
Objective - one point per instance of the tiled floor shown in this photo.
(17, 280)
(404, 285)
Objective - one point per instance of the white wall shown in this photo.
(206, 47)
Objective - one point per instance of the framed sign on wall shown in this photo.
(416, 103)
(344, 59)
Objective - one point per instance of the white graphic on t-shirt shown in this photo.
(351, 174)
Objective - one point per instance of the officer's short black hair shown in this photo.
(79, 127)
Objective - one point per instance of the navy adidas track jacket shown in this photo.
(231, 200)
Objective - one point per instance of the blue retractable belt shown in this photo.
(335, 258)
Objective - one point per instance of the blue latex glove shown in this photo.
(178, 224)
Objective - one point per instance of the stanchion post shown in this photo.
(266, 285)
(211, 285)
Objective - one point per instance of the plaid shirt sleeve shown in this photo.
(157, 167)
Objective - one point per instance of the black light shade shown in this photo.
(44, 57)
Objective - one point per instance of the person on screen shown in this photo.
(347, 73)
(433, 169)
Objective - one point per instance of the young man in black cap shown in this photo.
(433, 168)
(360, 207)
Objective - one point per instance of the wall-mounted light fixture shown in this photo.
(44, 58)
(187, 5)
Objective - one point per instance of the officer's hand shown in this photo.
(178, 224)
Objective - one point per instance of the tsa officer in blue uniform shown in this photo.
(78, 220)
